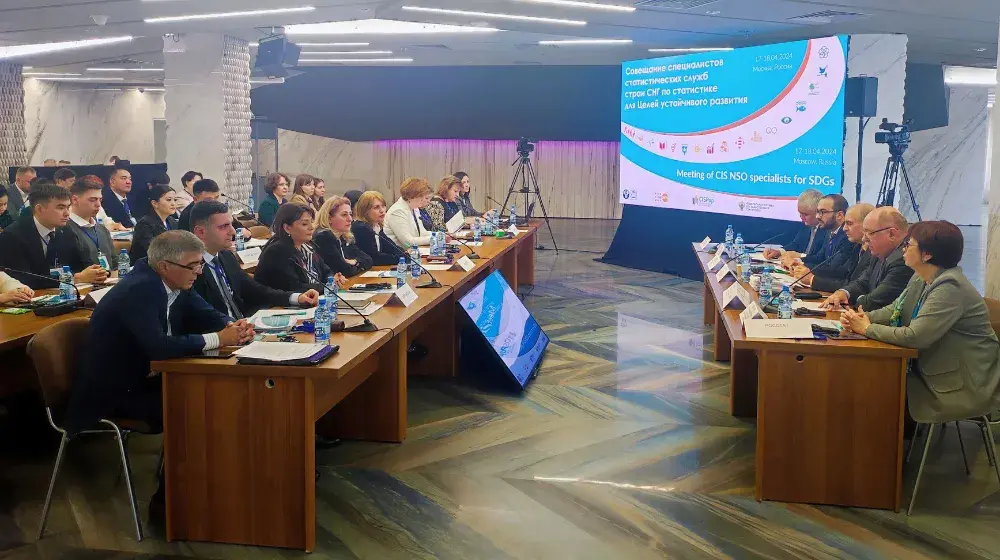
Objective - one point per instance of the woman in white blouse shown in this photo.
(13, 292)
(402, 222)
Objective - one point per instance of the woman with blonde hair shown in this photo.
(403, 224)
(444, 205)
(334, 241)
(304, 190)
(369, 229)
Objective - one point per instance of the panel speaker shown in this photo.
(861, 97)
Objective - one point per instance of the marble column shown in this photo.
(208, 110)
(13, 149)
(993, 221)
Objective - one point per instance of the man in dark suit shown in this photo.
(224, 284)
(206, 189)
(809, 240)
(116, 202)
(39, 243)
(831, 212)
(832, 278)
(887, 276)
(17, 194)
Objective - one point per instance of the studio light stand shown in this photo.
(528, 186)
(897, 137)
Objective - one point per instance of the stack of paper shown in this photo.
(255, 243)
(278, 351)
(280, 320)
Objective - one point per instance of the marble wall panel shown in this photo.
(993, 220)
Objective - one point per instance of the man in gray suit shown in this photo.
(887, 275)
(17, 194)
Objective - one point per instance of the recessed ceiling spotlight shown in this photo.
(578, 4)
(220, 15)
(491, 15)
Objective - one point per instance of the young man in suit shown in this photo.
(224, 284)
(116, 202)
(831, 279)
(17, 194)
(90, 238)
(886, 276)
(39, 243)
(831, 212)
(64, 178)
(202, 190)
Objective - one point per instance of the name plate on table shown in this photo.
(463, 264)
(715, 260)
(778, 328)
(94, 297)
(404, 296)
(704, 243)
(249, 256)
(734, 292)
(753, 311)
(723, 272)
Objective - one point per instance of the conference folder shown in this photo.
(284, 353)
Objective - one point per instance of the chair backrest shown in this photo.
(53, 352)
(994, 308)
(260, 232)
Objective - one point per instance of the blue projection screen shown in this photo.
(507, 325)
(738, 132)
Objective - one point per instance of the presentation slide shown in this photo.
(507, 325)
(739, 132)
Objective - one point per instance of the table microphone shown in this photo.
(472, 252)
(367, 326)
(53, 310)
(799, 279)
(766, 241)
(434, 281)
(240, 203)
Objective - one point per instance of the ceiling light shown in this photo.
(27, 67)
(263, 81)
(969, 76)
(49, 74)
(68, 79)
(355, 60)
(344, 52)
(332, 44)
(124, 69)
(11, 51)
(220, 15)
(981, 49)
(378, 27)
(146, 89)
(587, 42)
(713, 12)
(576, 4)
(691, 50)
(491, 15)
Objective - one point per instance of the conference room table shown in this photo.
(829, 412)
(239, 440)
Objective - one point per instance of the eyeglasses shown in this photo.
(825, 212)
(196, 267)
(870, 234)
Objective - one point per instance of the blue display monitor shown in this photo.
(508, 327)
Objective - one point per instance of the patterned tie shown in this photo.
(128, 213)
(227, 292)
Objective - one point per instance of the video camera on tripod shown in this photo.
(525, 146)
(897, 136)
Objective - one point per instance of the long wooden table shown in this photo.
(829, 412)
(239, 439)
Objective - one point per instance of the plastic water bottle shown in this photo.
(513, 213)
(765, 285)
(330, 293)
(477, 231)
(321, 322)
(103, 261)
(439, 244)
(66, 292)
(123, 263)
(743, 257)
(729, 237)
(415, 269)
(492, 225)
(738, 245)
(785, 303)
(240, 244)
(401, 272)
(252, 204)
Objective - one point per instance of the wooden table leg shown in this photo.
(743, 383)
(438, 333)
(723, 345)
(710, 313)
(829, 429)
(508, 267)
(526, 259)
(240, 460)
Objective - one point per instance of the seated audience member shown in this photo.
(304, 190)
(116, 202)
(18, 192)
(65, 162)
(102, 216)
(444, 205)
(402, 222)
(13, 292)
(957, 371)
(186, 195)
(887, 275)
(203, 190)
(5, 218)
(809, 240)
(152, 314)
(334, 241)
(369, 230)
(159, 219)
(90, 239)
(276, 187)
(831, 212)
(288, 262)
(353, 195)
(113, 160)
(224, 284)
(64, 178)
(464, 199)
(139, 196)
(50, 162)
(319, 193)
(38, 243)
(832, 278)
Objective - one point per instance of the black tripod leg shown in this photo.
(909, 190)
(510, 190)
(883, 189)
(541, 204)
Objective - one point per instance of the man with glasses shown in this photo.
(831, 212)
(811, 237)
(834, 276)
(885, 231)
(224, 285)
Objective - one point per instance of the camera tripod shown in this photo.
(529, 185)
(895, 167)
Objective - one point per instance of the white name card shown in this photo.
(753, 311)
(778, 328)
(715, 260)
(736, 292)
(404, 296)
(723, 272)
(250, 256)
(463, 264)
(513, 229)
(704, 243)
(94, 297)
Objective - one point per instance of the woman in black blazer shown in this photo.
(369, 230)
(334, 241)
(159, 219)
(288, 263)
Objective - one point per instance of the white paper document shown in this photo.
(753, 311)
(425, 251)
(278, 351)
(437, 267)
(366, 309)
(251, 243)
(379, 274)
(779, 328)
(249, 256)
(277, 320)
(354, 296)
(462, 234)
(455, 223)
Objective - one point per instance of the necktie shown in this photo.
(128, 212)
(227, 291)
(812, 237)
(48, 239)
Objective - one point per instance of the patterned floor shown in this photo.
(621, 448)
